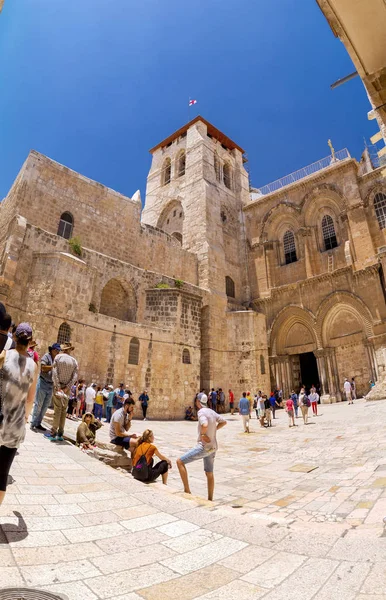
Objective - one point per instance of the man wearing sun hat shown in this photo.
(64, 375)
(45, 388)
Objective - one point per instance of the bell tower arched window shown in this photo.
(217, 167)
(227, 175)
(66, 225)
(380, 209)
(328, 232)
(289, 247)
(166, 172)
(181, 163)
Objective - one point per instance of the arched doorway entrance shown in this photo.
(293, 346)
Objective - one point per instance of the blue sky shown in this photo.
(95, 84)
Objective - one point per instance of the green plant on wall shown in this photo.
(76, 246)
(92, 308)
(178, 283)
(162, 286)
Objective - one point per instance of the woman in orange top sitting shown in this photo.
(146, 447)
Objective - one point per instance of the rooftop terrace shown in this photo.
(301, 174)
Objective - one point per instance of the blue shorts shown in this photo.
(199, 452)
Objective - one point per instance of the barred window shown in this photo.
(181, 164)
(66, 225)
(328, 231)
(134, 351)
(229, 287)
(289, 247)
(227, 175)
(64, 334)
(380, 209)
(186, 356)
(167, 172)
(217, 166)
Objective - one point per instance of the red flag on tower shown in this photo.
(191, 102)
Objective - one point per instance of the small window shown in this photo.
(328, 231)
(181, 164)
(229, 287)
(227, 176)
(180, 215)
(66, 225)
(64, 334)
(133, 351)
(217, 166)
(174, 213)
(262, 365)
(167, 172)
(289, 247)
(167, 222)
(186, 356)
(380, 209)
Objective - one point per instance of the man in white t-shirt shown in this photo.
(347, 391)
(208, 424)
(90, 397)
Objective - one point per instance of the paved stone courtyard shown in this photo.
(297, 514)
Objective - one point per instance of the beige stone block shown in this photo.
(190, 586)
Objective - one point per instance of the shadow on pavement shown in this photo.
(11, 532)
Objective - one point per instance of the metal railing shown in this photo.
(304, 172)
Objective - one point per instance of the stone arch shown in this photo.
(171, 219)
(281, 217)
(296, 322)
(177, 236)
(318, 200)
(118, 300)
(339, 302)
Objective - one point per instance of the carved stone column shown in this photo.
(322, 369)
(331, 376)
(306, 234)
(373, 367)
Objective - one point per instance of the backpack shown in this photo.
(307, 401)
(141, 469)
(255, 403)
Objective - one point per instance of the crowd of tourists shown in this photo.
(27, 388)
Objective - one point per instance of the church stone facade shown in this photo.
(213, 283)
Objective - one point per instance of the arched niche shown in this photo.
(118, 300)
(172, 219)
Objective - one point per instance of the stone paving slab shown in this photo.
(74, 526)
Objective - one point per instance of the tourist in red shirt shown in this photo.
(231, 402)
(289, 407)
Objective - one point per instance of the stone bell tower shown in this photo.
(196, 189)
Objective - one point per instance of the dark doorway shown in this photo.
(309, 370)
